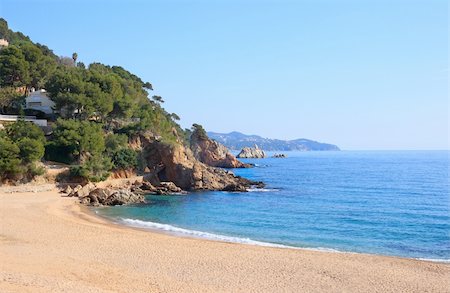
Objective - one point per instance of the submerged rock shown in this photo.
(252, 152)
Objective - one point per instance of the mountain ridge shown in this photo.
(236, 140)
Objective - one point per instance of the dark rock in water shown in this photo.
(167, 188)
(254, 152)
(147, 186)
(279, 156)
(212, 153)
(234, 187)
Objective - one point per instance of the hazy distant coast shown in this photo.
(236, 141)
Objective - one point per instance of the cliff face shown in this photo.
(177, 164)
(213, 153)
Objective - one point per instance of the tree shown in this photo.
(41, 67)
(95, 169)
(175, 116)
(21, 146)
(199, 131)
(124, 159)
(148, 86)
(31, 150)
(13, 67)
(10, 163)
(74, 58)
(158, 99)
(79, 140)
(66, 61)
(10, 98)
(23, 129)
(115, 142)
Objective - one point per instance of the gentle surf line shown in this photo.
(231, 239)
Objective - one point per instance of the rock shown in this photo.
(254, 152)
(212, 153)
(68, 190)
(74, 191)
(166, 188)
(177, 164)
(170, 186)
(123, 196)
(85, 190)
(279, 156)
(120, 174)
(100, 196)
(234, 187)
(147, 186)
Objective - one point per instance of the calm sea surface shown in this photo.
(391, 203)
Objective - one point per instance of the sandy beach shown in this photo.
(49, 243)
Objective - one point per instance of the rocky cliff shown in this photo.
(175, 163)
(212, 153)
(254, 152)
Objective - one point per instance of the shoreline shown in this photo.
(51, 243)
(246, 241)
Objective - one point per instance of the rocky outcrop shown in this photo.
(212, 153)
(90, 194)
(176, 163)
(108, 197)
(254, 152)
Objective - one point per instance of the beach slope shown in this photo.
(49, 243)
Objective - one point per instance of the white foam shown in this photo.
(262, 189)
(435, 260)
(231, 239)
(198, 234)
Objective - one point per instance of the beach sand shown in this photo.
(49, 243)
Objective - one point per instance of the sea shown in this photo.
(393, 203)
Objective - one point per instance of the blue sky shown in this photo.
(361, 74)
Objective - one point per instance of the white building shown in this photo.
(3, 43)
(38, 100)
(14, 118)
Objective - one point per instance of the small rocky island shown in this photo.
(252, 152)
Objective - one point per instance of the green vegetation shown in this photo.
(99, 107)
(200, 131)
(21, 147)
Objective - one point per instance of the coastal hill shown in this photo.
(101, 122)
(236, 141)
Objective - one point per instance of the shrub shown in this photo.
(94, 169)
(124, 159)
(30, 149)
(75, 140)
(23, 129)
(115, 142)
(10, 163)
(21, 146)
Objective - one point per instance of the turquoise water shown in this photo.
(390, 203)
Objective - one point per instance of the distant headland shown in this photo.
(236, 141)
